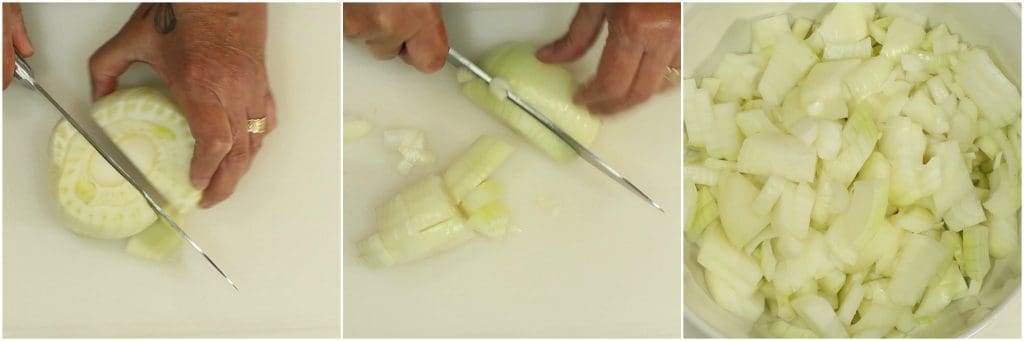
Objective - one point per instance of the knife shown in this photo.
(96, 137)
(580, 149)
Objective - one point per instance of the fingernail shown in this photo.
(200, 183)
(546, 51)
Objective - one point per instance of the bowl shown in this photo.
(712, 30)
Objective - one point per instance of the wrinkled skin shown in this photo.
(15, 39)
(643, 42)
(212, 58)
(413, 31)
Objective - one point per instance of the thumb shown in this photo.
(19, 35)
(110, 61)
(581, 35)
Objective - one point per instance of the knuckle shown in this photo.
(217, 145)
(237, 155)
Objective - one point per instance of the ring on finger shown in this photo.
(671, 74)
(257, 125)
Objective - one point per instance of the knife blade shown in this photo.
(579, 148)
(103, 145)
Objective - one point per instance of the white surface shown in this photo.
(605, 265)
(711, 30)
(277, 236)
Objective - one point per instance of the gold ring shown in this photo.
(672, 74)
(257, 125)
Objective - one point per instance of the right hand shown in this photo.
(414, 31)
(15, 39)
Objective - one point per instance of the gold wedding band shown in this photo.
(258, 125)
(672, 74)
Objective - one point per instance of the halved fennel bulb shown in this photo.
(439, 213)
(855, 178)
(151, 131)
(548, 88)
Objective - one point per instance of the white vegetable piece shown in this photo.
(774, 154)
(791, 59)
(997, 98)
(477, 163)
(855, 227)
(356, 129)
(902, 36)
(817, 312)
(919, 261)
(859, 50)
(735, 202)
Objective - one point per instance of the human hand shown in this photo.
(643, 43)
(413, 31)
(212, 58)
(15, 39)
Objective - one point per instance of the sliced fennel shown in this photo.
(150, 129)
(548, 88)
(853, 178)
(428, 217)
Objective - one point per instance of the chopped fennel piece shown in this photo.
(754, 121)
(919, 261)
(902, 36)
(859, 50)
(777, 155)
(425, 218)
(725, 144)
(858, 224)
(737, 74)
(766, 31)
(356, 129)
(818, 313)
(790, 60)
(735, 203)
(996, 97)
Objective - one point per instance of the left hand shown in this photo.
(643, 43)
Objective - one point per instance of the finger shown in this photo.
(19, 35)
(427, 49)
(385, 48)
(582, 33)
(109, 62)
(209, 125)
(649, 78)
(235, 163)
(8, 64)
(615, 72)
(268, 110)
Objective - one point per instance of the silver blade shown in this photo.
(99, 140)
(580, 149)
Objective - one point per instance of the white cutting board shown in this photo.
(277, 236)
(592, 260)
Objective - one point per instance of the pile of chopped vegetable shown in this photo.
(439, 213)
(853, 177)
(99, 203)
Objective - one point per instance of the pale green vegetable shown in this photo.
(426, 218)
(920, 259)
(817, 312)
(790, 60)
(547, 87)
(356, 129)
(840, 188)
(777, 155)
(477, 163)
(151, 130)
(735, 203)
